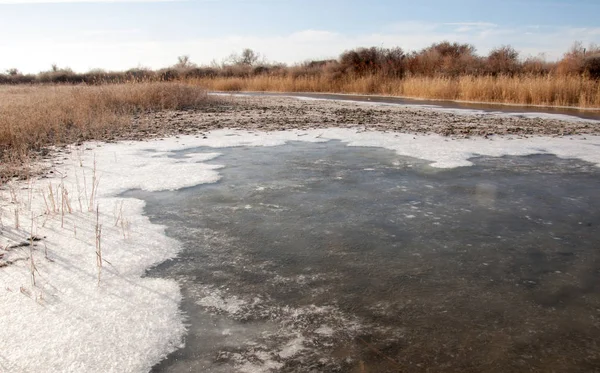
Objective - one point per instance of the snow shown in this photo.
(71, 322)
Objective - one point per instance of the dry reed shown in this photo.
(35, 117)
(547, 90)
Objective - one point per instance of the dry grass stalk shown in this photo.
(125, 228)
(31, 261)
(98, 244)
(65, 204)
(67, 201)
(51, 196)
(13, 193)
(95, 182)
(17, 217)
(47, 213)
(62, 207)
(85, 187)
(120, 220)
(30, 191)
(78, 192)
(118, 212)
(46, 203)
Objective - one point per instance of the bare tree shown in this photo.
(248, 57)
(184, 62)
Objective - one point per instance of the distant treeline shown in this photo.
(443, 59)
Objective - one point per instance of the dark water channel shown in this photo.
(328, 258)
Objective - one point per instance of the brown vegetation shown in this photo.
(35, 117)
(450, 71)
(525, 90)
(446, 71)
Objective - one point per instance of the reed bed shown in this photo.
(575, 91)
(35, 117)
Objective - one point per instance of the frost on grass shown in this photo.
(73, 253)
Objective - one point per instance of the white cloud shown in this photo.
(314, 36)
(132, 48)
(473, 24)
(106, 32)
(411, 27)
(470, 27)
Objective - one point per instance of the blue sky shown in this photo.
(122, 34)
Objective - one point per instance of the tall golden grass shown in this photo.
(34, 117)
(547, 90)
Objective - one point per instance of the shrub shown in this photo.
(140, 74)
(201, 72)
(537, 66)
(310, 68)
(574, 61)
(363, 61)
(57, 75)
(445, 59)
(591, 66)
(503, 60)
(169, 74)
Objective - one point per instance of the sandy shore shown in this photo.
(279, 113)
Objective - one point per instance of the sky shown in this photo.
(117, 35)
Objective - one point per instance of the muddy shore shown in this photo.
(281, 113)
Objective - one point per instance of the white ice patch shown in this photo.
(442, 151)
(292, 348)
(325, 330)
(215, 300)
(67, 322)
(445, 152)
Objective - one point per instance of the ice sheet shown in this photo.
(71, 322)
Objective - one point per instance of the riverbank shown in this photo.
(122, 113)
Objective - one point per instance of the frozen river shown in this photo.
(319, 257)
